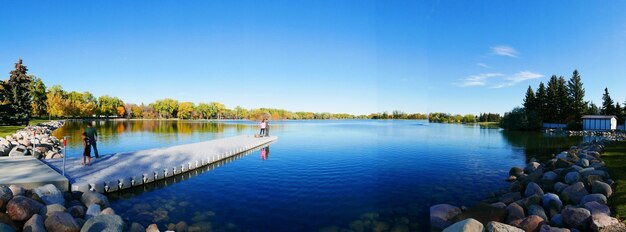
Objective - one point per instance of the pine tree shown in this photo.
(17, 95)
(593, 109)
(576, 96)
(563, 104)
(529, 100)
(608, 106)
(619, 113)
(541, 101)
(552, 102)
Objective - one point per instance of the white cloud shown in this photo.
(483, 65)
(504, 50)
(478, 80)
(517, 78)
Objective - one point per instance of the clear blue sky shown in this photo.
(325, 56)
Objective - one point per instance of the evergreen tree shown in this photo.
(576, 97)
(593, 109)
(529, 100)
(619, 113)
(17, 96)
(563, 104)
(541, 101)
(608, 106)
(552, 102)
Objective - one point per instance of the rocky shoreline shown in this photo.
(36, 141)
(567, 193)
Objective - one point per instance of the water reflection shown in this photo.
(540, 145)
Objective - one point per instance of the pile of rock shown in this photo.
(603, 135)
(36, 141)
(47, 209)
(566, 193)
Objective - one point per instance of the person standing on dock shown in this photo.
(262, 125)
(86, 150)
(267, 127)
(92, 134)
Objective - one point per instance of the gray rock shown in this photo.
(501, 227)
(77, 211)
(62, 222)
(467, 225)
(6, 228)
(34, 224)
(152, 228)
(532, 167)
(533, 189)
(551, 197)
(593, 197)
(19, 150)
(559, 186)
(576, 217)
(550, 176)
(136, 227)
(537, 210)
(92, 211)
(105, 223)
(601, 221)
(49, 194)
(48, 210)
(5, 196)
(547, 228)
(583, 163)
(574, 193)
(89, 198)
(17, 190)
(21, 208)
(108, 211)
(572, 177)
(557, 220)
(516, 171)
(511, 197)
(441, 215)
(531, 223)
(181, 226)
(602, 188)
(514, 212)
(597, 208)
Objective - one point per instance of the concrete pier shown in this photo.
(120, 171)
(29, 173)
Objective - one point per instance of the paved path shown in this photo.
(29, 173)
(124, 170)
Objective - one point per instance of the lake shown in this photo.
(320, 175)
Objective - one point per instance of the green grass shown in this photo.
(615, 158)
(7, 130)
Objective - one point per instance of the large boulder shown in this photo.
(597, 208)
(578, 218)
(5, 196)
(531, 223)
(34, 224)
(549, 199)
(62, 222)
(593, 197)
(19, 150)
(599, 222)
(21, 208)
(572, 177)
(482, 212)
(467, 225)
(441, 215)
(17, 190)
(501, 227)
(514, 212)
(559, 187)
(136, 227)
(77, 211)
(550, 176)
(49, 194)
(516, 171)
(602, 188)
(89, 198)
(547, 228)
(92, 211)
(152, 228)
(533, 189)
(104, 223)
(48, 210)
(532, 167)
(574, 193)
(511, 197)
(537, 210)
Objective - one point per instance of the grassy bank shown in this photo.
(7, 130)
(615, 158)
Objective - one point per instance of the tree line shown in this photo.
(468, 118)
(561, 102)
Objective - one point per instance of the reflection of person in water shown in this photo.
(265, 153)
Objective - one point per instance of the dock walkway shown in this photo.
(119, 171)
(29, 173)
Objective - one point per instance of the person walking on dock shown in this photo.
(92, 134)
(86, 150)
(262, 125)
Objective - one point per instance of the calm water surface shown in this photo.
(321, 175)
